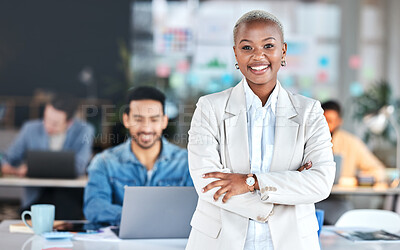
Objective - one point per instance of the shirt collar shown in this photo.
(253, 100)
(129, 156)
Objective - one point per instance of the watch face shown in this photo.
(250, 181)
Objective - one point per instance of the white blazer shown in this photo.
(218, 142)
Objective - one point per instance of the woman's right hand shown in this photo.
(306, 166)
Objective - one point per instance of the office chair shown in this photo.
(371, 218)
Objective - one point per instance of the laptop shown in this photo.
(338, 159)
(51, 164)
(157, 212)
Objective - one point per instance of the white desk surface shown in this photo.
(22, 241)
(331, 241)
(35, 182)
(10, 241)
(336, 189)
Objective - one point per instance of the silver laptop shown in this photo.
(51, 164)
(157, 212)
(338, 159)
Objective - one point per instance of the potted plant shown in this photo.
(376, 100)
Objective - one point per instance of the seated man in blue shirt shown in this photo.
(146, 159)
(57, 131)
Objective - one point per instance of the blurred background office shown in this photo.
(345, 50)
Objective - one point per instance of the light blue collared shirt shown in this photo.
(33, 136)
(261, 134)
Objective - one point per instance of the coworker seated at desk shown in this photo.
(355, 159)
(145, 159)
(58, 130)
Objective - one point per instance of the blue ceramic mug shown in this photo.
(42, 216)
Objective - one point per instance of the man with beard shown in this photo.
(145, 159)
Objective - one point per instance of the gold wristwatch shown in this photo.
(251, 181)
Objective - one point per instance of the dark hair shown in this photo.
(66, 103)
(145, 93)
(332, 105)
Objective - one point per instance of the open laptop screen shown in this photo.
(51, 164)
(338, 160)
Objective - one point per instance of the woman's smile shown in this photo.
(259, 69)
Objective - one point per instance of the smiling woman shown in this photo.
(250, 152)
(259, 51)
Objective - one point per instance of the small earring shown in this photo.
(283, 63)
(236, 65)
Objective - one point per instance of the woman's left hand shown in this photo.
(234, 184)
(231, 184)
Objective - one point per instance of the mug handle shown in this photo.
(23, 218)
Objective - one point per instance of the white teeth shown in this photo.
(259, 67)
(145, 137)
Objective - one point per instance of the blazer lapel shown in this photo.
(235, 123)
(286, 131)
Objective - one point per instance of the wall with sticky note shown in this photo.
(336, 49)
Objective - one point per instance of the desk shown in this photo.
(331, 241)
(336, 189)
(11, 241)
(328, 240)
(35, 182)
(391, 194)
(11, 188)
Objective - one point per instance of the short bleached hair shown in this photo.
(257, 15)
